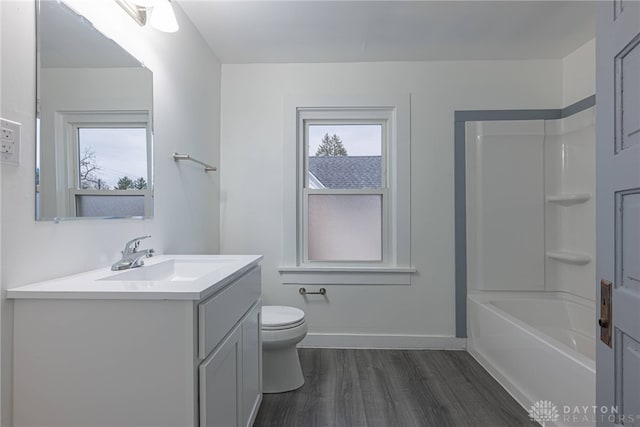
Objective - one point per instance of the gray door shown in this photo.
(618, 211)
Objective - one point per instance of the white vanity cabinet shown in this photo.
(231, 374)
(252, 365)
(230, 378)
(140, 361)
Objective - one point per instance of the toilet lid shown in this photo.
(279, 316)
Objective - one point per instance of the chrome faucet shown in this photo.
(131, 256)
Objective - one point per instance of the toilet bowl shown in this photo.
(282, 328)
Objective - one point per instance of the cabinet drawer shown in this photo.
(220, 313)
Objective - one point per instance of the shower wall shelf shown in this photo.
(569, 198)
(570, 257)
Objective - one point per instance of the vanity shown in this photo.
(176, 342)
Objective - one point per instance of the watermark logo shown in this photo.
(544, 411)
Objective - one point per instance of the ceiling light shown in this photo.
(158, 13)
(139, 14)
(162, 17)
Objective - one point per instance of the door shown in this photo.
(618, 211)
(221, 384)
(251, 365)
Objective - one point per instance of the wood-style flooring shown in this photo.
(392, 388)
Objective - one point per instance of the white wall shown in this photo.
(251, 182)
(579, 74)
(186, 103)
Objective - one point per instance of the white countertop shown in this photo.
(92, 284)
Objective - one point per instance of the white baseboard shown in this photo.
(380, 341)
(524, 400)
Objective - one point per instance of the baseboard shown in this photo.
(524, 400)
(380, 341)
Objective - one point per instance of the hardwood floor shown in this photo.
(392, 388)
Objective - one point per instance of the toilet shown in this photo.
(282, 328)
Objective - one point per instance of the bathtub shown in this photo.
(537, 345)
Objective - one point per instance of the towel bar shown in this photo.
(303, 291)
(207, 168)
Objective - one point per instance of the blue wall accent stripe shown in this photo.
(460, 203)
(460, 185)
(495, 115)
(578, 106)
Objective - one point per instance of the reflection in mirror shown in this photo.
(94, 122)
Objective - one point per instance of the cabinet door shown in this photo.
(251, 364)
(218, 314)
(221, 384)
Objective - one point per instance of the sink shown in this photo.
(162, 277)
(175, 270)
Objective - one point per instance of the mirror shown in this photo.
(93, 124)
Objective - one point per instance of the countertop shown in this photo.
(92, 284)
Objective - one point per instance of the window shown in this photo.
(346, 188)
(108, 158)
(345, 193)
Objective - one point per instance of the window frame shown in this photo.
(394, 112)
(343, 116)
(67, 155)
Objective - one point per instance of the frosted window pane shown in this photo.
(112, 158)
(103, 205)
(345, 156)
(345, 227)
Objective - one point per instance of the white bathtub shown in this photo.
(538, 345)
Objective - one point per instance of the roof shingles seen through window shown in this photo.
(347, 172)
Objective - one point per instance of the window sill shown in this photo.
(346, 275)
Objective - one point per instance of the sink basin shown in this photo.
(174, 270)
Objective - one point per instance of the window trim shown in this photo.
(396, 266)
(67, 124)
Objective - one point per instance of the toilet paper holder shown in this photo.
(321, 291)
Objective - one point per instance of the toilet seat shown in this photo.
(277, 317)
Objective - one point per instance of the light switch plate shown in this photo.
(9, 142)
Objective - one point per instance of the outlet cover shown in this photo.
(9, 142)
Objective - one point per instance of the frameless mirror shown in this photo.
(94, 122)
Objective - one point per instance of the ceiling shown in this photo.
(350, 31)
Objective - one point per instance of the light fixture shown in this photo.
(162, 17)
(157, 13)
